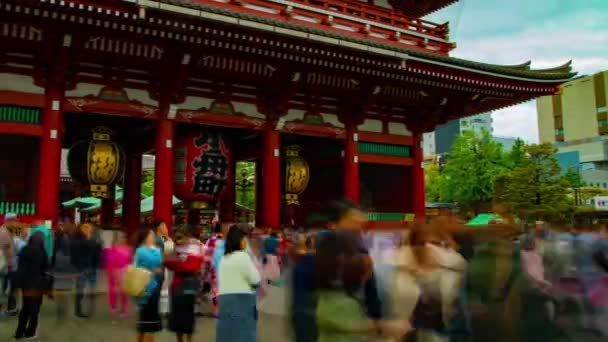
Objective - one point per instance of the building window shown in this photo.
(602, 109)
(559, 131)
(605, 185)
(603, 123)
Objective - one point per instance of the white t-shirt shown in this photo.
(237, 274)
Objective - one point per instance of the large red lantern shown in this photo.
(202, 169)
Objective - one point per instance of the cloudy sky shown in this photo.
(548, 32)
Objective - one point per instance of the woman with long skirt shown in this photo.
(238, 279)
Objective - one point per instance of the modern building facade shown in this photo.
(441, 140)
(576, 120)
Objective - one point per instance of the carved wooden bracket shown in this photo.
(353, 108)
(169, 82)
(274, 100)
(58, 58)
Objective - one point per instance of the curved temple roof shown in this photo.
(420, 8)
(522, 71)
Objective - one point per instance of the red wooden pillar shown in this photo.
(417, 178)
(49, 166)
(106, 218)
(259, 186)
(163, 167)
(131, 200)
(351, 163)
(271, 173)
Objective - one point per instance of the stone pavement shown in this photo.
(102, 328)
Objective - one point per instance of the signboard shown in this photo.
(600, 203)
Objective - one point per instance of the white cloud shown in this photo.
(580, 36)
(518, 121)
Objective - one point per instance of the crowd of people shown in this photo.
(339, 287)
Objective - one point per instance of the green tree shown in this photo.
(517, 155)
(574, 178)
(245, 184)
(471, 168)
(432, 182)
(535, 189)
(147, 183)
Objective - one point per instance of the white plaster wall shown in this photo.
(85, 89)
(294, 114)
(195, 102)
(21, 83)
(371, 125)
(332, 119)
(248, 109)
(398, 128)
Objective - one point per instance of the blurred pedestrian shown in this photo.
(33, 280)
(185, 263)
(148, 256)
(303, 295)
(39, 226)
(348, 220)
(83, 256)
(272, 271)
(7, 254)
(64, 273)
(238, 279)
(340, 273)
(116, 259)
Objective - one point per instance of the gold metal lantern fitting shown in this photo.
(297, 174)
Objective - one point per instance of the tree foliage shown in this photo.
(432, 182)
(535, 189)
(245, 184)
(147, 183)
(574, 178)
(472, 166)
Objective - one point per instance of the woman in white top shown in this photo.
(238, 279)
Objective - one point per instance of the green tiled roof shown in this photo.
(20, 114)
(384, 149)
(559, 73)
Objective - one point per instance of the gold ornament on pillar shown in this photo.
(98, 164)
(297, 174)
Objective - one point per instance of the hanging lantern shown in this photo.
(297, 174)
(202, 170)
(97, 164)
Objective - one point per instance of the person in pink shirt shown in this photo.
(116, 259)
(534, 270)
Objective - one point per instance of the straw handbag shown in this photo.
(135, 281)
